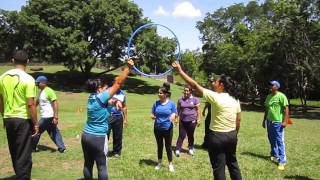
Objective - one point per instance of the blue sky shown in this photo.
(179, 15)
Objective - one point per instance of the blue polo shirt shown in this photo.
(98, 116)
(163, 113)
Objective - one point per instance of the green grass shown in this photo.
(312, 103)
(139, 151)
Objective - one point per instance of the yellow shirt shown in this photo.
(224, 109)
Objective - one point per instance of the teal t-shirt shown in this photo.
(275, 105)
(98, 116)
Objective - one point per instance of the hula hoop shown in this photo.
(129, 50)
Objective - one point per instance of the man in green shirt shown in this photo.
(18, 110)
(276, 118)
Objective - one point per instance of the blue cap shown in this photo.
(41, 79)
(275, 83)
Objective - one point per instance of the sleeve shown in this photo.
(209, 96)
(153, 108)
(31, 89)
(238, 106)
(51, 95)
(104, 96)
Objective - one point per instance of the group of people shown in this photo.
(106, 110)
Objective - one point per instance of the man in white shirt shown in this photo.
(48, 104)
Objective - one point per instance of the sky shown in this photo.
(181, 16)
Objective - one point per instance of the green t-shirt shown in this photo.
(16, 86)
(275, 105)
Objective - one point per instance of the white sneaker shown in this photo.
(171, 168)
(191, 152)
(177, 153)
(158, 166)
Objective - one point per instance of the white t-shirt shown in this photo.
(46, 97)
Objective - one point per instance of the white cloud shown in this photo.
(186, 9)
(161, 12)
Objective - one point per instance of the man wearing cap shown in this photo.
(48, 104)
(18, 110)
(275, 119)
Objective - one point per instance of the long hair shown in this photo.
(229, 86)
(166, 89)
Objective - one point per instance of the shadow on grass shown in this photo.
(297, 112)
(148, 162)
(45, 148)
(85, 179)
(298, 177)
(255, 155)
(74, 81)
(9, 178)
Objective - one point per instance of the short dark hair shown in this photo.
(20, 57)
(94, 84)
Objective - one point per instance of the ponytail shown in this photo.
(166, 89)
(229, 86)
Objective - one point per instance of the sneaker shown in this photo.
(191, 152)
(171, 168)
(62, 150)
(158, 166)
(116, 155)
(177, 153)
(281, 166)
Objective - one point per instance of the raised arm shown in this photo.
(120, 79)
(187, 78)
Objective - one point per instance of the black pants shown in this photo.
(206, 130)
(165, 135)
(95, 149)
(116, 126)
(20, 145)
(222, 151)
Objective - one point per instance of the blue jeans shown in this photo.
(276, 139)
(46, 124)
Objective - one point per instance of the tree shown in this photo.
(279, 39)
(78, 33)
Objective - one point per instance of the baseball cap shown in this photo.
(41, 79)
(275, 83)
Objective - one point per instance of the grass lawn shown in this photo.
(139, 146)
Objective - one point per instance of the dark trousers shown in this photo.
(95, 149)
(19, 140)
(206, 130)
(116, 126)
(46, 124)
(222, 151)
(165, 135)
(186, 128)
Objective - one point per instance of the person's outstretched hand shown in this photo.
(130, 62)
(176, 66)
